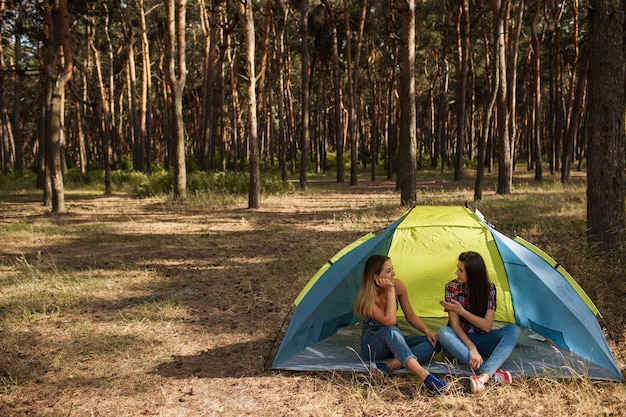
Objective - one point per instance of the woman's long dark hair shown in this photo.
(477, 282)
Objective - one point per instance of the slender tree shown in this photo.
(488, 110)
(463, 46)
(5, 131)
(60, 64)
(338, 124)
(138, 146)
(145, 111)
(536, 94)
(505, 168)
(407, 171)
(177, 76)
(247, 23)
(306, 106)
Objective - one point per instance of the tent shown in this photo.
(561, 336)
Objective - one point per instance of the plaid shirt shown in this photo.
(454, 290)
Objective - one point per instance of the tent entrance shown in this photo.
(534, 355)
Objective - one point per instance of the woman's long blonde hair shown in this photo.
(367, 291)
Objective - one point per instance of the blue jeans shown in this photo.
(497, 345)
(389, 342)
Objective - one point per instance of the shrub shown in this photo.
(158, 183)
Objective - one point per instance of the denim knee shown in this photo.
(512, 330)
(445, 334)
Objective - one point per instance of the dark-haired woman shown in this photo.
(470, 301)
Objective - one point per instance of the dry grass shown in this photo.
(128, 307)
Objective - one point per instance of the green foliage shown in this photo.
(158, 183)
(15, 183)
(235, 183)
(74, 178)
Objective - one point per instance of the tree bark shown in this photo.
(5, 131)
(536, 95)
(60, 64)
(495, 81)
(338, 124)
(247, 22)
(264, 109)
(133, 119)
(407, 170)
(145, 110)
(282, 98)
(305, 137)
(18, 135)
(512, 81)
(605, 154)
(463, 44)
(577, 110)
(177, 75)
(505, 171)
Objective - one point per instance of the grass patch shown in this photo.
(127, 307)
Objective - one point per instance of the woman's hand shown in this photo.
(432, 337)
(452, 306)
(384, 282)
(475, 359)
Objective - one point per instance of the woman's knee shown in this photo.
(445, 334)
(513, 331)
(393, 332)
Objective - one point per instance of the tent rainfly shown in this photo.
(561, 336)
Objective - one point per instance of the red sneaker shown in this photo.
(502, 377)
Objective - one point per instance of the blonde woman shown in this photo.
(381, 339)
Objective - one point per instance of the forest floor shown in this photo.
(147, 307)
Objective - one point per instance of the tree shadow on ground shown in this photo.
(236, 360)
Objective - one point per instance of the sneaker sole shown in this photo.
(470, 386)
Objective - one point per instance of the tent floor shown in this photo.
(532, 356)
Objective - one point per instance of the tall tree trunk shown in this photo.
(210, 30)
(556, 116)
(177, 75)
(353, 79)
(407, 170)
(495, 87)
(6, 150)
(247, 22)
(282, 97)
(306, 109)
(536, 94)
(576, 92)
(577, 110)
(137, 144)
(234, 97)
(605, 153)
(463, 44)
(505, 171)
(512, 80)
(338, 124)
(18, 136)
(60, 64)
(145, 111)
(390, 127)
(262, 96)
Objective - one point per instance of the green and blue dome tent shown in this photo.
(561, 335)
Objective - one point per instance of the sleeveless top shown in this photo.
(371, 326)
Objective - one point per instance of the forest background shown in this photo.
(289, 87)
